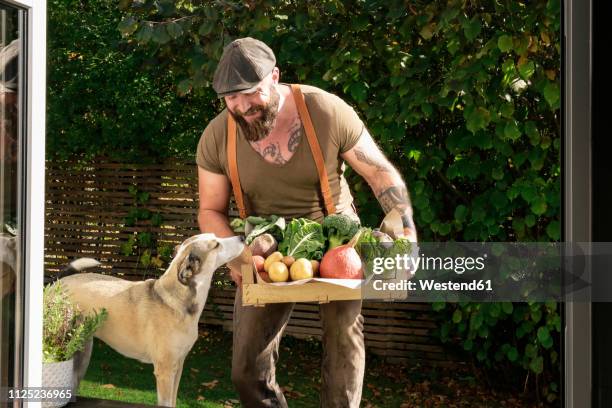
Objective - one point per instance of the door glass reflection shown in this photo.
(10, 141)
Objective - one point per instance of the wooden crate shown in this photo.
(257, 293)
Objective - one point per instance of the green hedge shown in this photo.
(110, 97)
(463, 96)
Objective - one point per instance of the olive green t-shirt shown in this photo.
(290, 190)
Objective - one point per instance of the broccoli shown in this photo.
(237, 225)
(339, 229)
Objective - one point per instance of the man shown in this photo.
(277, 175)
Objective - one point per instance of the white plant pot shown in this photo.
(58, 375)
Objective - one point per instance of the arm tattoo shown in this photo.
(294, 138)
(361, 155)
(397, 197)
(394, 197)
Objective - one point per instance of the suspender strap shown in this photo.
(313, 142)
(314, 148)
(233, 165)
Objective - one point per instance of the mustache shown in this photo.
(250, 111)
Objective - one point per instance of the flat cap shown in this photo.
(244, 63)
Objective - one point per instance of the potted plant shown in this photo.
(66, 330)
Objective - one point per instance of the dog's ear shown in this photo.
(189, 268)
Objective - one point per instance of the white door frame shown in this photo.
(34, 218)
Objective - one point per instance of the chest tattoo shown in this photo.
(273, 152)
(295, 137)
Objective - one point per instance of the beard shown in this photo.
(260, 127)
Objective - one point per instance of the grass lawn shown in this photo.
(206, 379)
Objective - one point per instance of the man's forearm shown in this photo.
(391, 193)
(214, 222)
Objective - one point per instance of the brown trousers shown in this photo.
(257, 334)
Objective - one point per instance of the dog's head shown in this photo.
(199, 256)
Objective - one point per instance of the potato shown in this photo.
(263, 245)
(274, 257)
(278, 272)
(288, 260)
(265, 276)
(315, 267)
(259, 262)
(301, 269)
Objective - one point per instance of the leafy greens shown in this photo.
(303, 239)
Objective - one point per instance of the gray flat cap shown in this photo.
(244, 63)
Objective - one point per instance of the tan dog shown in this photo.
(153, 321)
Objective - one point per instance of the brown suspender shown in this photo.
(233, 165)
(312, 142)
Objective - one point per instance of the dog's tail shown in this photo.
(77, 266)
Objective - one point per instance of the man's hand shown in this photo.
(214, 192)
(236, 276)
(235, 272)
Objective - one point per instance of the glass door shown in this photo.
(12, 149)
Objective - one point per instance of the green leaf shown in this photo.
(427, 215)
(552, 93)
(478, 213)
(456, 316)
(427, 32)
(262, 23)
(461, 213)
(206, 27)
(504, 43)
(507, 307)
(532, 132)
(160, 34)
(303, 239)
(145, 33)
(499, 200)
(548, 343)
(444, 229)
(553, 230)
(543, 334)
(530, 220)
(539, 206)
(174, 30)
(526, 70)
(494, 310)
(472, 28)
(536, 315)
(497, 173)
(512, 131)
(512, 354)
(506, 110)
(476, 321)
(477, 119)
(184, 87)
(359, 91)
(127, 26)
(145, 258)
(537, 365)
(530, 350)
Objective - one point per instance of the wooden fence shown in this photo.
(86, 211)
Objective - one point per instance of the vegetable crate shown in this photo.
(257, 292)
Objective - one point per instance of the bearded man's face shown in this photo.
(259, 119)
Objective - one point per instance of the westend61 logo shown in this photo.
(411, 263)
